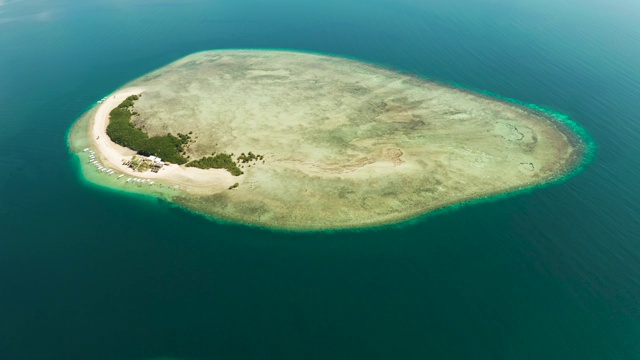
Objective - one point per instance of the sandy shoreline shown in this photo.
(193, 180)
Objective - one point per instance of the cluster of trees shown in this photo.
(217, 161)
(128, 102)
(123, 132)
(168, 147)
(245, 158)
(185, 138)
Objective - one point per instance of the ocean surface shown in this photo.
(90, 273)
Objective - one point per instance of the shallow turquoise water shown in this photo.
(87, 273)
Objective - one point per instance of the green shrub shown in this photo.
(123, 132)
(217, 161)
(248, 157)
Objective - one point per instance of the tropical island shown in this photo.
(302, 141)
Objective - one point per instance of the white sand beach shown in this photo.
(190, 179)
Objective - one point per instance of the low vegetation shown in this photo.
(123, 132)
(250, 156)
(217, 161)
(168, 147)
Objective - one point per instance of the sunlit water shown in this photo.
(88, 273)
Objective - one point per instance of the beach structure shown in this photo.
(142, 164)
(156, 161)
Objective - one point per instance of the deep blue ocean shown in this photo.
(89, 273)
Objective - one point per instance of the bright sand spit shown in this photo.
(346, 144)
(194, 180)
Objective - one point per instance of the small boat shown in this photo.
(121, 175)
